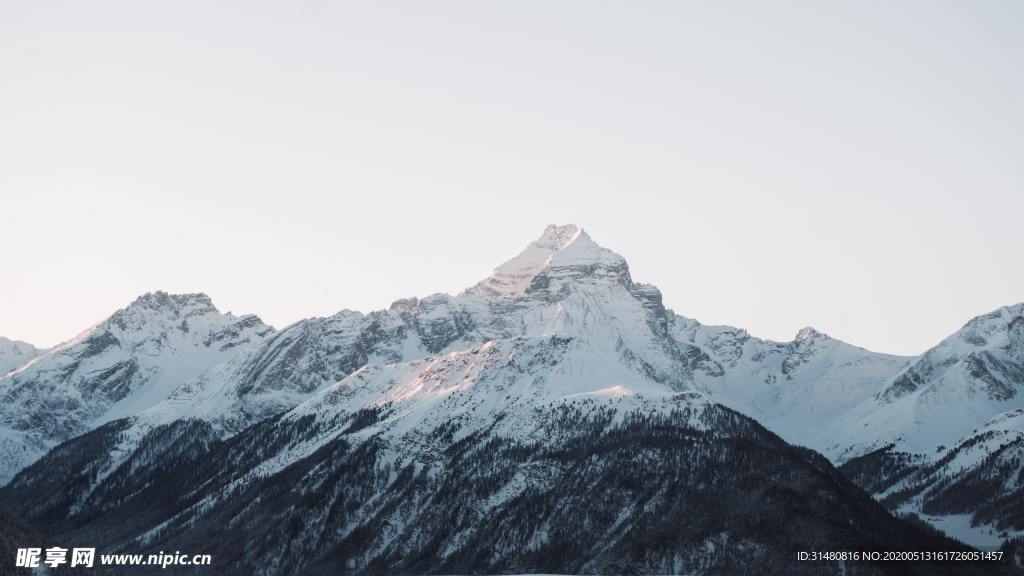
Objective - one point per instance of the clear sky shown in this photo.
(858, 167)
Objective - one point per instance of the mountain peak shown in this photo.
(15, 353)
(408, 305)
(567, 250)
(807, 333)
(996, 327)
(986, 356)
(9, 344)
(160, 300)
(557, 237)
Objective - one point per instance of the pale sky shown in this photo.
(858, 167)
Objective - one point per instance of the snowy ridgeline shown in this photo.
(561, 324)
(118, 368)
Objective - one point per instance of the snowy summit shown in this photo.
(560, 252)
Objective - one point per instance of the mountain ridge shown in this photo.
(115, 368)
(577, 300)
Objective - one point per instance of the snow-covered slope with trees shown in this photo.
(974, 489)
(117, 368)
(946, 437)
(522, 455)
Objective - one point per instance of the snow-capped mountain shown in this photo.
(560, 333)
(564, 284)
(15, 354)
(117, 368)
(449, 433)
